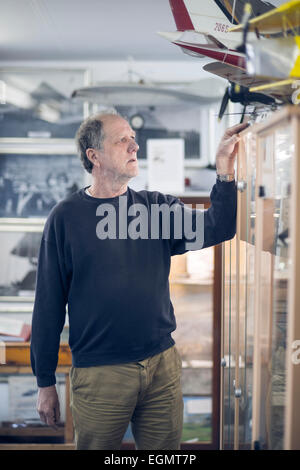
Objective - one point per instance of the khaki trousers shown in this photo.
(104, 399)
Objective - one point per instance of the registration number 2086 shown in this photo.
(221, 27)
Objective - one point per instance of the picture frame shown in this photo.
(29, 185)
(35, 174)
(38, 102)
(19, 247)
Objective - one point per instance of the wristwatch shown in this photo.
(227, 178)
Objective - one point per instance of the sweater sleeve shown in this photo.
(202, 228)
(48, 313)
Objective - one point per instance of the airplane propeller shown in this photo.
(240, 94)
(224, 103)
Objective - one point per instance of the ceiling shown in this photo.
(86, 30)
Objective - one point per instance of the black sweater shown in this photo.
(117, 290)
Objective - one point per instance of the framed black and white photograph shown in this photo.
(37, 102)
(19, 247)
(35, 174)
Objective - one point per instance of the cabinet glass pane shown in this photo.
(283, 151)
(191, 290)
(238, 307)
(228, 373)
(246, 286)
(274, 268)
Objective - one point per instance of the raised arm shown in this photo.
(218, 223)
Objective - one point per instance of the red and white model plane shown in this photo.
(202, 27)
(203, 30)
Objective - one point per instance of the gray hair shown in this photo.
(90, 135)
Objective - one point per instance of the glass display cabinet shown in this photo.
(260, 373)
(237, 308)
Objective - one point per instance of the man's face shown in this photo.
(118, 156)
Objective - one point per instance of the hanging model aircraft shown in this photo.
(272, 60)
(203, 28)
(208, 30)
(278, 57)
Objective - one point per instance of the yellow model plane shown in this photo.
(272, 56)
(284, 18)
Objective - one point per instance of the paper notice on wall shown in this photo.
(14, 327)
(10, 326)
(166, 165)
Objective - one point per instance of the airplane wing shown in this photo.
(236, 74)
(285, 17)
(286, 88)
(254, 83)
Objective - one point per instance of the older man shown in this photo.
(115, 281)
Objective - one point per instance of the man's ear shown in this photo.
(93, 156)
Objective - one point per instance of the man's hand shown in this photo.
(227, 150)
(48, 406)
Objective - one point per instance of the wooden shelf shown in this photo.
(31, 431)
(18, 354)
(37, 447)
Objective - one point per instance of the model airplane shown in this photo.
(283, 18)
(279, 58)
(203, 28)
(209, 30)
(242, 95)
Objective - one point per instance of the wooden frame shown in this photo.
(264, 313)
(41, 192)
(292, 415)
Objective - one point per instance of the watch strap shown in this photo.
(226, 177)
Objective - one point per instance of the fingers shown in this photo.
(236, 129)
(48, 406)
(43, 417)
(51, 418)
(230, 140)
(57, 414)
(235, 139)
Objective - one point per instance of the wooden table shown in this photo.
(17, 361)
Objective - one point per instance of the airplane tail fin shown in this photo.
(188, 13)
(181, 16)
